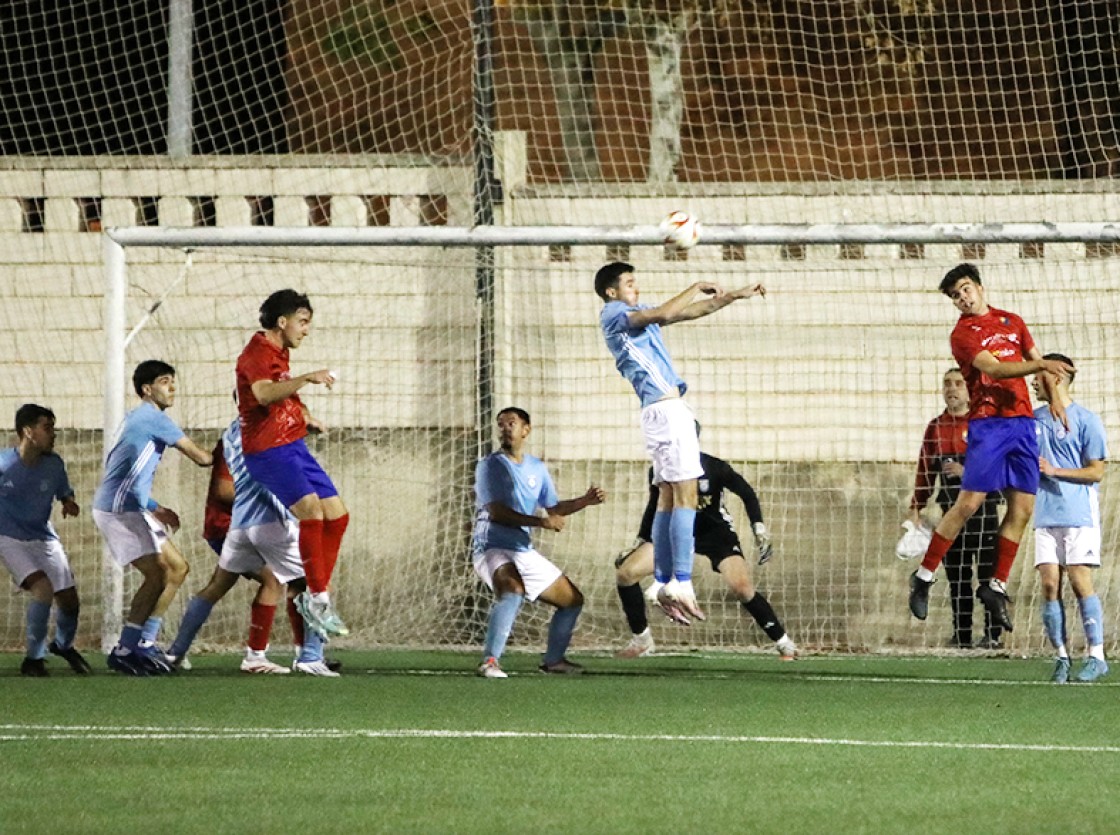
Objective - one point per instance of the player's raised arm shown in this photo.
(194, 452)
(681, 307)
(594, 495)
(268, 392)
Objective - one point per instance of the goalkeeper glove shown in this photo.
(764, 543)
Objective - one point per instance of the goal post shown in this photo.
(819, 394)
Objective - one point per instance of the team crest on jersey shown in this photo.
(704, 485)
(44, 486)
(532, 480)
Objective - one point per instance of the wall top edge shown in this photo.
(832, 188)
(221, 163)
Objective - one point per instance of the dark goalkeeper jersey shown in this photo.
(712, 518)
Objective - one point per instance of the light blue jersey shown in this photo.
(131, 464)
(523, 487)
(252, 504)
(1064, 504)
(27, 495)
(639, 354)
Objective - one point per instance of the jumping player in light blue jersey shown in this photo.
(1068, 521)
(262, 544)
(135, 525)
(633, 335)
(32, 478)
(511, 488)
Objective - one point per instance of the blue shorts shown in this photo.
(290, 472)
(1002, 453)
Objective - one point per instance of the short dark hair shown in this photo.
(608, 277)
(514, 410)
(29, 414)
(956, 274)
(1066, 360)
(282, 303)
(148, 372)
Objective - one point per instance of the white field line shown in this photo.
(39, 733)
(784, 673)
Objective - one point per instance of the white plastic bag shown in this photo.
(914, 542)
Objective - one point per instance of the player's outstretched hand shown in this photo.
(167, 517)
(594, 495)
(315, 426)
(322, 377)
(747, 292)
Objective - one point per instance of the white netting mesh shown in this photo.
(819, 394)
(348, 114)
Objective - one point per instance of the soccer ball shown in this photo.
(680, 229)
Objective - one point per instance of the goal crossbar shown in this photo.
(747, 235)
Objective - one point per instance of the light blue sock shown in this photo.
(662, 546)
(150, 632)
(1092, 618)
(560, 630)
(682, 523)
(312, 649)
(198, 612)
(130, 636)
(38, 624)
(502, 615)
(1054, 622)
(65, 627)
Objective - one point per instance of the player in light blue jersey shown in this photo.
(262, 544)
(633, 335)
(135, 525)
(511, 488)
(1067, 520)
(32, 478)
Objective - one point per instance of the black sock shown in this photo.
(634, 606)
(759, 608)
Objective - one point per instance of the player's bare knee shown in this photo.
(67, 600)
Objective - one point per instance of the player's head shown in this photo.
(1039, 389)
(288, 313)
(154, 380)
(514, 426)
(609, 277)
(954, 391)
(958, 272)
(35, 426)
(962, 285)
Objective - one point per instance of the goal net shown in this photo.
(818, 393)
(262, 116)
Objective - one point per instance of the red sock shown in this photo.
(935, 553)
(260, 626)
(311, 554)
(333, 529)
(1005, 557)
(296, 620)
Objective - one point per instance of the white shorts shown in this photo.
(131, 535)
(1067, 546)
(24, 557)
(669, 428)
(276, 544)
(537, 571)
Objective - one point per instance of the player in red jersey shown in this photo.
(995, 352)
(274, 422)
(940, 465)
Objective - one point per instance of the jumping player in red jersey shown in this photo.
(274, 422)
(995, 352)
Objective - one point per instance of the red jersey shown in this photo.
(265, 427)
(1005, 336)
(946, 438)
(215, 525)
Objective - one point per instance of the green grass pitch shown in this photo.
(414, 742)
